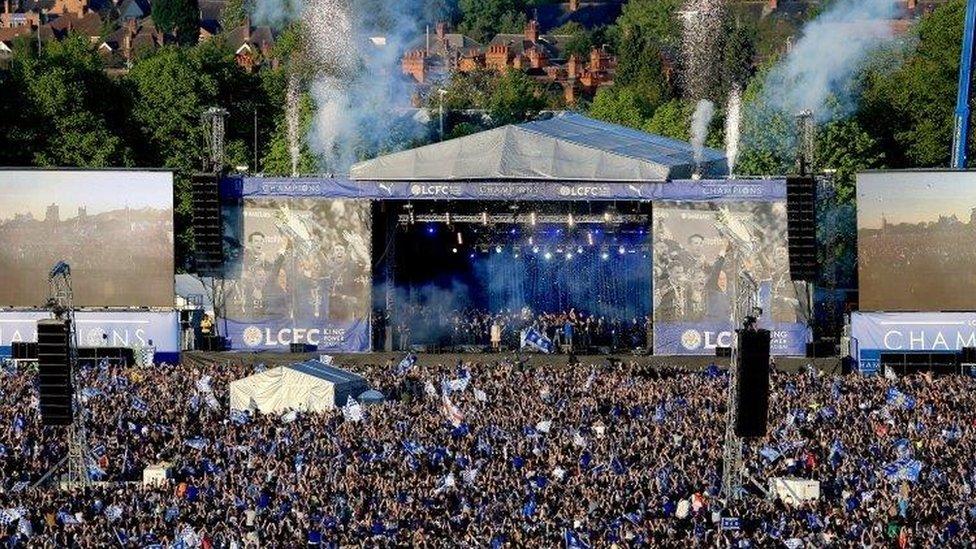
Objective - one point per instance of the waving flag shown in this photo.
(533, 338)
(197, 443)
(139, 405)
(897, 398)
(902, 448)
(574, 541)
(352, 411)
(903, 469)
(406, 364)
(240, 417)
(450, 411)
(203, 385)
(769, 453)
(480, 395)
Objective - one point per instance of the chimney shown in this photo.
(573, 5)
(247, 28)
(6, 7)
(130, 25)
(532, 31)
(773, 4)
(912, 4)
(441, 30)
(574, 66)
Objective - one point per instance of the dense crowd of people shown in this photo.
(513, 456)
(440, 329)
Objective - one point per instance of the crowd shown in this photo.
(512, 456)
(581, 331)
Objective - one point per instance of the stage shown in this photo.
(355, 361)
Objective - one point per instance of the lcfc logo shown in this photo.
(252, 336)
(691, 340)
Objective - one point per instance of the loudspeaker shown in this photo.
(23, 350)
(752, 383)
(821, 348)
(213, 343)
(723, 351)
(801, 222)
(54, 371)
(303, 348)
(207, 227)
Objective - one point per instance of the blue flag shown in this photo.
(771, 454)
(529, 508)
(903, 469)
(574, 541)
(897, 398)
(406, 364)
(535, 339)
(240, 417)
(139, 405)
(902, 448)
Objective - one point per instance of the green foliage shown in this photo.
(640, 67)
(621, 105)
(846, 148)
(178, 17)
(650, 20)
(515, 98)
(277, 159)
(483, 19)
(580, 41)
(233, 14)
(672, 119)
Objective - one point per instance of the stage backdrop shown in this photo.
(694, 275)
(115, 229)
(874, 333)
(916, 241)
(298, 271)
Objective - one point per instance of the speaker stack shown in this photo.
(54, 371)
(752, 383)
(801, 199)
(23, 350)
(207, 231)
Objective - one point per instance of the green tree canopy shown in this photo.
(515, 98)
(178, 17)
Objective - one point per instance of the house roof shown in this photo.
(89, 24)
(260, 37)
(566, 147)
(553, 44)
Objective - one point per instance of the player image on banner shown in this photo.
(699, 249)
(302, 266)
(115, 229)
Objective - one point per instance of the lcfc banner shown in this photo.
(103, 329)
(874, 333)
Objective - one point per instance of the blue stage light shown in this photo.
(548, 255)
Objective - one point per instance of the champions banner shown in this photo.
(700, 249)
(719, 190)
(298, 270)
(874, 333)
(103, 329)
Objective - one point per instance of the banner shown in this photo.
(716, 190)
(874, 333)
(103, 329)
(700, 249)
(298, 270)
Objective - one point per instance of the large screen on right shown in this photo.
(916, 241)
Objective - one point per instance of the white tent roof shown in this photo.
(565, 147)
(307, 386)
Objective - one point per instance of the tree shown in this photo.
(649, 20)
(233, 14)
(846, 148)
(178, 17)
(483, 19)
(580, 41)
(621, 105)
(672, 119)
(640, 67)
(515, 98)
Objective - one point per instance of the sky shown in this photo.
(23, 191)
(911, 197)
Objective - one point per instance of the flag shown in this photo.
(413, 448)
(24, 527)
(534, 338)
(203, 385)
(574, 541)
(529, 508)
(139, 405)
(113, 513)
(903, 469)
(9, 515)
(65, 518)
(450, 411)
(771, 454)
(889, 374)
(326, 359)
(589, 380)
(458, 384)
(406, 364)
(659, 414)
(260, 368)
(352, 411)
(197, 443)
(895, 397)
(543, 426)
(19, 486)
(902, 448)
(469, 475)
(212, 402)
(429, 389)
(240, 417)
(98, 451)
(618, 466)
(578, 439)
(289, 416)
(480, 395)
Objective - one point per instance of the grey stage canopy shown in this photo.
(565, 147)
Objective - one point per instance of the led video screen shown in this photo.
(916, 241)
(699, 250)
(114, 228)
(299, 271)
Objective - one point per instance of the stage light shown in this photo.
(535, 249)
(447, 218)
(512, 231)
(530, 241)
(548, 255)
(589, 238)
(453, 250)
(498, 249)
(605, 256)
(460, 239)
(471, 256)
(532, 219)
(569, 256)
(570, 220)
(579, 249)
(484, 218)
(431, 229)
(516, 256)
(621, 250)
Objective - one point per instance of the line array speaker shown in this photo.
(54, 371)
(207, 228)
(801, 220)
(752, 383)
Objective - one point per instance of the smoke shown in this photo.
(699, 127)
(819, 71)
(733, 120)
(700, 46)
(352, 54)
(292, 117)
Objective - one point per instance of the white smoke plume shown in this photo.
(818, 72)
(699, 127)
(733, 122)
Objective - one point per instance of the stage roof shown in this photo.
(566, 147)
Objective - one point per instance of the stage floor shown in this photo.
(352, 360)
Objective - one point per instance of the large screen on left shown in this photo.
(114, 228)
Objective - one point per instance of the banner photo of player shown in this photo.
(699, 249)
(299, 272)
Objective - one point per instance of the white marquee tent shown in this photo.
(306, 386)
